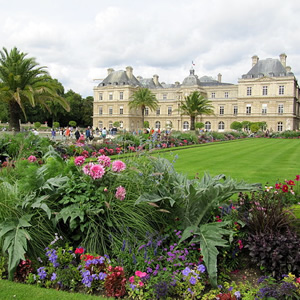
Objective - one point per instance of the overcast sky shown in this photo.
(79, 40)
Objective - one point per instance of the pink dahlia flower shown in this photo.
(118, 166)
(97, 171)
(79, 160)
(104, 160)
(87, 169)
(120, 193)
(32, 158)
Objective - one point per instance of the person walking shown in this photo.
(53, 134)
(88, 133)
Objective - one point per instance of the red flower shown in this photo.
(218, 219)
(278, 186)
(285, 188)
(297, 178)
(291, 182)
(79, 250)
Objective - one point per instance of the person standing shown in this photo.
(88, 133)
(53, 134)
(77, 134)
(104, 133)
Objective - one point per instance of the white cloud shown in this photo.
(78, 40)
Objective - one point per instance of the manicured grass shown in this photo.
(252, 160)
(11, 290)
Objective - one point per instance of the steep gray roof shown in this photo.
(119, 78)
(209, 81)
(267, 67)
(149, 83)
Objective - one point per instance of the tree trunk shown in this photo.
(14, 115)
(192, 123)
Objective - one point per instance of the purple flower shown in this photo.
(186, 271)
(193, 280)
(201, 268)
(237, 294)
(132, 286)
(230, 289)
(53, 277)
(42, 273)
(102, 276)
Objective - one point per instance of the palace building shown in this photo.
(269, 93)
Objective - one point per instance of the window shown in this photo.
(280, 109)
(279, 126)
(221, 125)
(265, 90)
(264, 109)
(226, 94)
(147, 111)
(221, 110)
(207, 126)
(100, 124)
(213, 95)
(169, 110)
(158, 111)
(186, 125)
(235, 110)
(100, 110)
(248, 109)
(121, 124)
(121, 95)
(157, 125)
(281, 90)
(110, 96)
(110, 110)
(110, 124)
(249, 91)
(100, 96)
(121, 110)
(164, 96)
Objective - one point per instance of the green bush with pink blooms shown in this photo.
(80, 220)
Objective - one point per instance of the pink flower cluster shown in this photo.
(140, 275)
(118, 166)
(93, 170)
(120, 193)
(79, 160)
(104, 160)
(32, 158)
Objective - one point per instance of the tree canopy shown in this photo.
(141, 99)
(195, 105)
(23, 81)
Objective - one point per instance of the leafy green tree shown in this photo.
(146, 124)
(23, 81)
(56, 124)
(87, 111)
(236, 125)
(141, 99)
(37, 125)
(254, 127)
(73, 123)
(116, 124)
(195, 105)
(262, 125)
(199, 125)
(246, 125)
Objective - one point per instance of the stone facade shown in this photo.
(269, 92)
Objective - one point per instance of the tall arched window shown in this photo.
(207, 126)
(186, 125)
(221, 125)
(100, 124)
(279, 126)
(121, 124)
(110, 124)
(157, 125)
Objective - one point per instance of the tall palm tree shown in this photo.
(195, 105)
(141, 99)
(21, 82)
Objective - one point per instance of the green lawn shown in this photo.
(253, 160)
(12, 290)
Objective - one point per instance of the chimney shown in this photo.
(283, 59)
(288, 69)
(139, 78)
(155, 79)
(129, 72)
(255, 60)
(220, 77)
(110, 70)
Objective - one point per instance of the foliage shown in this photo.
(73, 123)
(37, 125)
(22, 81)
(277, 253)
(146, 124)
(254, 127)
(236, 125)
(199, 125)
(56, 124)
(141, 99)
(195, 105)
